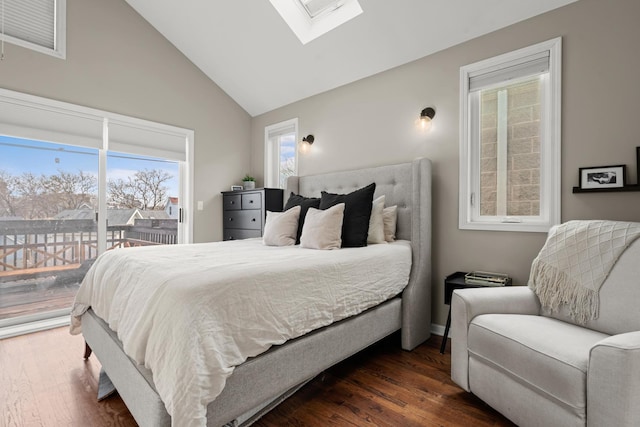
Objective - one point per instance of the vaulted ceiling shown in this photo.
(247, 49)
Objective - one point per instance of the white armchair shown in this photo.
(544, 369)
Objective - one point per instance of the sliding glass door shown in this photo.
(48, 233)
(74, 183)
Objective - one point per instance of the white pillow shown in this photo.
(390, 219)
(322, 229)
(280, 228)
(376, 224)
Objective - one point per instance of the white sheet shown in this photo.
(190, 313)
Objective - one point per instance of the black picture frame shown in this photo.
(594, 177)
(638, 165)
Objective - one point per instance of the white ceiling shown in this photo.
(246, 48)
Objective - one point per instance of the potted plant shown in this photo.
(248, 182)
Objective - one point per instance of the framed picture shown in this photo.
(236, 187)
(638, 165)
(602, 177)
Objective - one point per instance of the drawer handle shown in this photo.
(250, 201)
(230, 219)
(253, 219)
(232, 202)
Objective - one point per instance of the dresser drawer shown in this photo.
(239, 234)
(252, 201)
(232, 202)
(250, 219)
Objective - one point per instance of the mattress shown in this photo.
(191, 313)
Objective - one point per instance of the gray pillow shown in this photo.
(280, 228)
(322, 229)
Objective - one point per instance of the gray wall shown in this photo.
(117, 62)
(371, 122)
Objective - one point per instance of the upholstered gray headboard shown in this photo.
(407, 185)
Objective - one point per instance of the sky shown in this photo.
(20, 155)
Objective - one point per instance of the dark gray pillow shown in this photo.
(357, 212)
(305, 203)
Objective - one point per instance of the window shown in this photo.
(281, 153)
(510, 141)
(60, 165)
(35, 24)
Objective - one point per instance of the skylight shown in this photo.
(316, 7)
(309, 19)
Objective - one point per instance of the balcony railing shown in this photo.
(32, 247)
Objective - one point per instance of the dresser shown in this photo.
(244, 212)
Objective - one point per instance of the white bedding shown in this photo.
(190, 313)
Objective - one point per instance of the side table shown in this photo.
(452, 282)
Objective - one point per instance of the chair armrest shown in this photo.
(613, 381)
(469, 303)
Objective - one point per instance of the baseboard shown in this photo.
(437, 329)
(27, 328)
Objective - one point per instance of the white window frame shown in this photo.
(550, 186)
(60, 42)
(33, 117)
(272, 151)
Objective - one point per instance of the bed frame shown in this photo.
(264, 381)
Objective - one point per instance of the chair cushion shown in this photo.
(546, 354)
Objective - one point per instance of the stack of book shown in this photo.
(486, 279)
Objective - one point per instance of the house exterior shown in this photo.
(172, 208)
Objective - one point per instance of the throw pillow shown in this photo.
(390, 220)
(376, 223)
(357, 212)
(322, 229)
(280, 228)
(305, 203)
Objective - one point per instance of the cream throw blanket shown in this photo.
(575, 261)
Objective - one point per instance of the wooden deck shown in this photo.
(53, 290)
(42, 262)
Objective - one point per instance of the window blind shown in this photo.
(529, 66)
(32, 21)
(136, 138)
(30, 119)
(282, 130)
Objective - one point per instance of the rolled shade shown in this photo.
(530, 66)
(136, 138)
(32, 120)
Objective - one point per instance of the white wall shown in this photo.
(371, 122)
(117, 62)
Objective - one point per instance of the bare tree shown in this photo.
(70, 190)
(145, 190)
(29, 188)
(8, 196)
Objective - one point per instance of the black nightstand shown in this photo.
(452, 282)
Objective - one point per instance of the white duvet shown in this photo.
(191, 313)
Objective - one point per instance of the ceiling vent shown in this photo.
(309, 19)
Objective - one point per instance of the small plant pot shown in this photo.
(248, 185)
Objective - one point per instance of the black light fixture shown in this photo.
(308, 139)
(425, 117)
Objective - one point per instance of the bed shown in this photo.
(261, 382)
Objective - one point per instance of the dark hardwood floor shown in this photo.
(45, 382)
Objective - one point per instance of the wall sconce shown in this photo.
(425, 117)
(306, 143)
